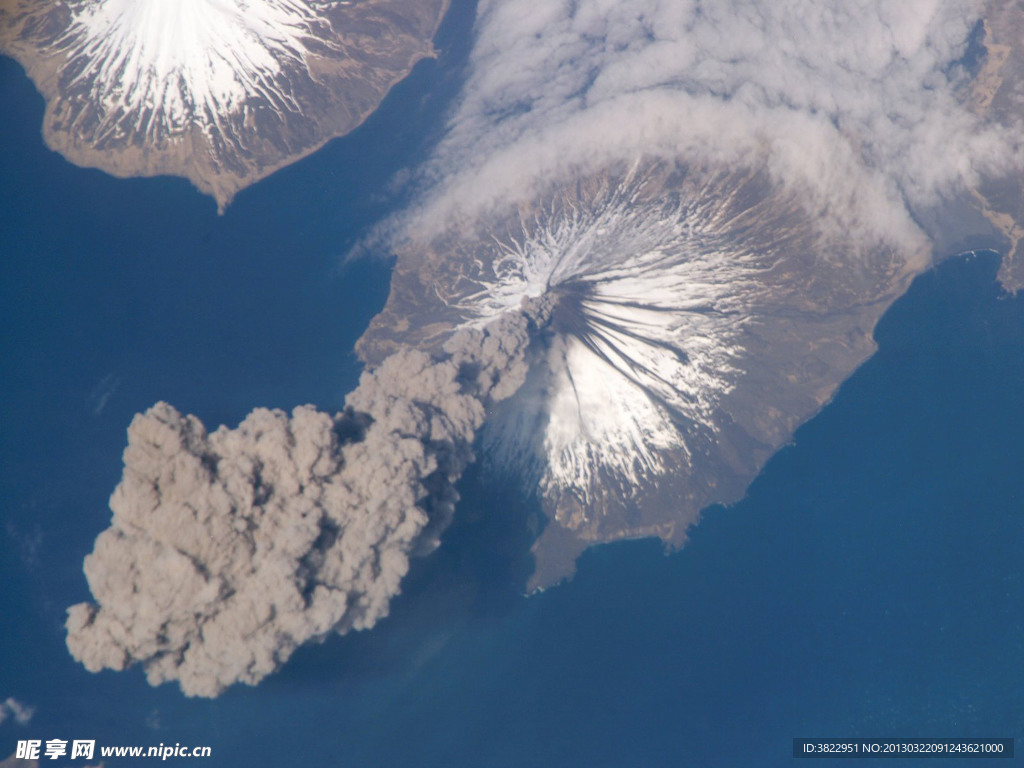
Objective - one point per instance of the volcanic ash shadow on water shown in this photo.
(477, 576)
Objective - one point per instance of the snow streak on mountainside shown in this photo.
(221, 91)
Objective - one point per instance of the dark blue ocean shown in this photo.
(872, 583)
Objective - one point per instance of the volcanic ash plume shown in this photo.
(229, 550)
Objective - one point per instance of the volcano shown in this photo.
(223, 92)
(699, 316)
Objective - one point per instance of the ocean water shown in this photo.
(871, 584)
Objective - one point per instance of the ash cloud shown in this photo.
(228, 550)
(853, 103)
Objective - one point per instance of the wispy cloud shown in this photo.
(102, 392)
(12, 709)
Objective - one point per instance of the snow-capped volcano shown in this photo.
(223, 92)
(157, 68)
(698, 316)
(649, 298)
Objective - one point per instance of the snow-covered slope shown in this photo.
(650, 301)
(157, 68)
(221, 91)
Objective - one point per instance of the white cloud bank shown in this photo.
(852, 101)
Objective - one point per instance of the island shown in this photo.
(698, 321)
